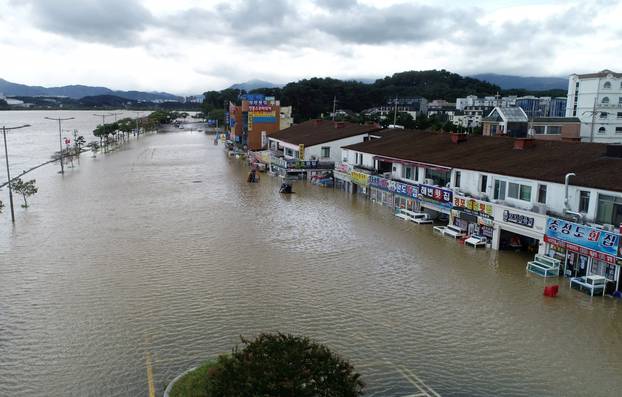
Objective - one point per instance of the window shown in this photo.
(440, 178)
(554, 130)
(483, 183)
(607, 84)
(618, 130)
(407, 172)
(603, 115)
(609, 210)
(325, 151)
(539, 129)
(584, 200)
(605, 100)
(499, 193)
(620, 115)
(542, 194)
(620, 100)
(416, 173)
(289, 152)
(359, 158)
(602, 130)
(519, 192)
(457, 180)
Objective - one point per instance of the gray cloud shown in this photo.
(400, 23)
(336, 4)
(115, 22)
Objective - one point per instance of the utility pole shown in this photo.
(8, 172)
(60, 139)
(395, 114)
(334, 106)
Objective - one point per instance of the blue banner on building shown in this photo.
(585, 236)
(396, 187)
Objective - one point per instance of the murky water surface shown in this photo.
(162, 249)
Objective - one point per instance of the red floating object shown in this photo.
(551, 290)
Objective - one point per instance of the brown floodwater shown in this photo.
(160, 253)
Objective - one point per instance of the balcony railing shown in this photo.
(610, 105)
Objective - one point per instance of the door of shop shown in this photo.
(576, 264)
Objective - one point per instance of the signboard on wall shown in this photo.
(518, 219)
(574, 234)
(473, 206)
(396, 187)
(437, 195)
(360, 178)
(301, 151)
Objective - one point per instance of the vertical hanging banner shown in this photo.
(301, 152)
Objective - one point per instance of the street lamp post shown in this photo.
(60, 139)
(8, 172)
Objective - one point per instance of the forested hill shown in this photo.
(311, 97)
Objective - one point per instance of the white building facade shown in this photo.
(596, 99)
(579, 225)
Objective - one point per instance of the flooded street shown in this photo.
(160, 253)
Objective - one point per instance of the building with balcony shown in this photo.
(471, 116)
(557, 198)
(596, 99)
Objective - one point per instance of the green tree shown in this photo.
(126, 126)
(449, 126)
(26, 189)
(217, 114)
(283, 365)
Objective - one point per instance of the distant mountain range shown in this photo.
(508, 82)
(253, 85)
(80, 91)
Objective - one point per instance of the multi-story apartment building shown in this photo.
(471, 116)
(413, 106)
(487, 101)
(533, 106)
(556, 198)
(596, 99)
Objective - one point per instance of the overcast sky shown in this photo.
(189, 46)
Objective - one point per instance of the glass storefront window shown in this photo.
(600, 268)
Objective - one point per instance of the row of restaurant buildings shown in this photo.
(556, 198)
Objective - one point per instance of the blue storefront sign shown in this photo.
(436, 195)
(403, 189)
(584, 236)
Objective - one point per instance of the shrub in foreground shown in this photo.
(279, 365)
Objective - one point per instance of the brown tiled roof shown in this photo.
(545, 161)
(314, 132)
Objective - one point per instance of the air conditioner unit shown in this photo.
(428, 181)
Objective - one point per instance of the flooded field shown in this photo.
(160, 254)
